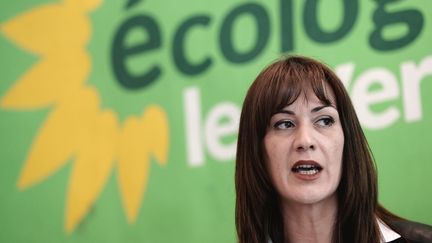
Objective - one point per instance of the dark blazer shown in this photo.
(413, 232)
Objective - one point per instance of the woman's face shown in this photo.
(303, 145)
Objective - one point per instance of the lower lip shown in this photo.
(307, 177)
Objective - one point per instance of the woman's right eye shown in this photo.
(284, 124)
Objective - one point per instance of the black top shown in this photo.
(398, 240)
(412, 232)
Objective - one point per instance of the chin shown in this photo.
(311, 198)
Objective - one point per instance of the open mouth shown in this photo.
(306, 167)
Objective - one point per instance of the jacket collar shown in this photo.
(387, 234)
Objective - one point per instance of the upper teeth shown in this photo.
(305, 166)
(309, 169)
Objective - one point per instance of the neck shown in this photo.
(309, 223)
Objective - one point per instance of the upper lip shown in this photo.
(306, 162)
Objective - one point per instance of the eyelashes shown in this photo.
(284, 124)
(326, 121)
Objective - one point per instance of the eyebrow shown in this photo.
(316, 109)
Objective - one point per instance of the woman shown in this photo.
(304, 171)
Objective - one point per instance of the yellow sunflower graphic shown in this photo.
(77, 129)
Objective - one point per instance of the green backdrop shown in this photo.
(118, 119)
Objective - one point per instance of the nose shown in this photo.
(304, 139)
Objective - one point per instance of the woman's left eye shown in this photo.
(325, 121)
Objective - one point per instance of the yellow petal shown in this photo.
(49, 29)
(50, 150)
(133, 166)
(92, 167)
(139, 141)
(84, 5)
(48, 81)
(155, 124)
(59, 137)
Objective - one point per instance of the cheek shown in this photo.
(338, 155)
(333, 155)
(275, 160)
(272, 148)
(340, 147)
(337, 145)
(269, 156)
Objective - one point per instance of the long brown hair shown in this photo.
(257, 214)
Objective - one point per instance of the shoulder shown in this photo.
(413, 231)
